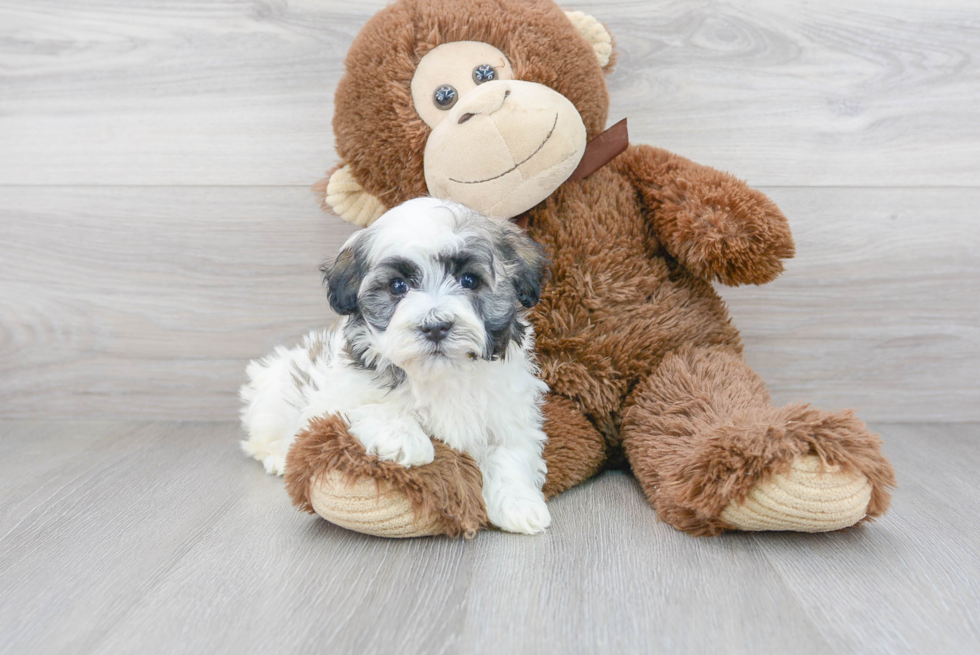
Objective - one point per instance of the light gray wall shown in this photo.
(157, 228)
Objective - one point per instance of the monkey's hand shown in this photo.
(714, 224)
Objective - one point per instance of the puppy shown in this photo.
(433, 341)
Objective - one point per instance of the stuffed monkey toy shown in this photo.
(499, 105)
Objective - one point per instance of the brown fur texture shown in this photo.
(377, 129)
(450, 487)
(575, 450)
(634, 342)
(701, 432)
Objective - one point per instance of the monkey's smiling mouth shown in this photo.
(518, 164)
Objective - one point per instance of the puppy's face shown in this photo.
(432, 284)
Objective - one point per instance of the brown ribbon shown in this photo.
(602, 150)
(598, 152)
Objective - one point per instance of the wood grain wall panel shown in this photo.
(874, 93)
(879, 310)
(835, 93)
(148, 302)
(156, 227)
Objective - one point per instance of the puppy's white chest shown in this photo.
(463, 410)
(460, 419)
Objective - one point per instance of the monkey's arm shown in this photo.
(711, 222)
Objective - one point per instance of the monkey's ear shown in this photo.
(595, 33)
(343, 195)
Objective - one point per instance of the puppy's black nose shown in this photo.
(436, 331)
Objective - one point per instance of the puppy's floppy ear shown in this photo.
(343, 279)
(529, 265)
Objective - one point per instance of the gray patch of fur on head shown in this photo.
(344, 275)
(512, 269)
(345, 279)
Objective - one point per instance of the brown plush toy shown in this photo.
(492, 103)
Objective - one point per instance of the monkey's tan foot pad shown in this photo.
(369, 506)
(810, 497)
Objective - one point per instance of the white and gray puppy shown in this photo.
(433, 340)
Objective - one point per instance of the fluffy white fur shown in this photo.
(395, 388)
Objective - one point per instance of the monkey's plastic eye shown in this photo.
(484, 73)
(469, 281)
(398, 287)
(445, 97)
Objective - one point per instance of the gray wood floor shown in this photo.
(162, 538)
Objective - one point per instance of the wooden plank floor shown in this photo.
(162, 538)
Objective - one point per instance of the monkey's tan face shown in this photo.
(498, 145)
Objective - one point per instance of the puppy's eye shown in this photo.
(445, 97)
(398, 287)
(469, 281)
(484, 73)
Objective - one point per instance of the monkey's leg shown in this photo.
(713, 454)
(575, 451)
(328, 472)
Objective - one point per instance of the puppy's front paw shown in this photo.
(404, 449)
(525, 513)
(401, 441)
(274, 464)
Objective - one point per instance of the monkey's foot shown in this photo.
(329, 472)
(810, 497)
